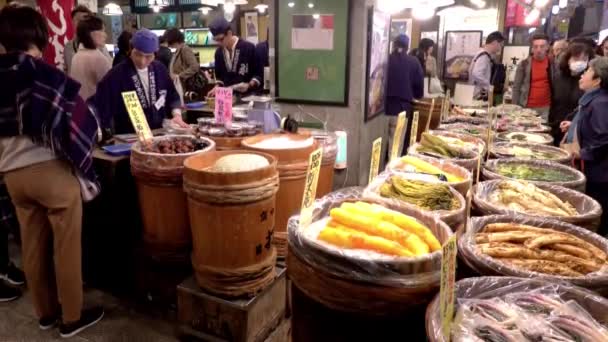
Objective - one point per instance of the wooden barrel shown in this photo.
(227, 143)
(162, 201)
(232, 217)
(423, 107)
(292, 166)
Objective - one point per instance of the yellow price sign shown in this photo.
(448, 283)
(468, 210)
(480, 156)
(137, 115)
(414, 132)
(374, 166)
(310, 187)
(398, 136)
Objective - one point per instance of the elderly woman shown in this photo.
(591, 128)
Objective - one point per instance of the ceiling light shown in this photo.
(261, 8)
(540, 3)
(423, 13)
(229, 6)
(311, 5)
(316, 16)
(156, 8)
(205, 10)
(291, 4)
(555, 9)
(563, 3)
(112, 9)
(532, 17)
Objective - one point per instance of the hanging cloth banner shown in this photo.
(59, 22)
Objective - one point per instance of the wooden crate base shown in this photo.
(210, 318)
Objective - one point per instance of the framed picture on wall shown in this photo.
(378, 39)
(432, 35)
(460, 49)
(400, 26)
(252, 27)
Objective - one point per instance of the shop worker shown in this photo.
(405, 83)
(483, 67)
(47, 136)
(236, 63)
(532, 84)
(148, 78)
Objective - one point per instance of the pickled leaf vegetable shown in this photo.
(534, 173)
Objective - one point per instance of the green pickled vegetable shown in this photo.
(429, 196)
(534, 173)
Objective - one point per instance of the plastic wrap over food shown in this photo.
(462, 185)
(525, 137)
(453, 217)
(513, 309)
(469, 163)
(523, 246)
(466, 119)
(476, 143)
(162, 158)
(329, 142)
(360, 265)
(498, 197)
(526, 151)
(535, 171)
(479, 131)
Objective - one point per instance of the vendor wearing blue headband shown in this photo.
(148, 78)
(236, 63)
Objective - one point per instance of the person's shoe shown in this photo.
(88, 318)
(13, 275)
(8, 293)
(46, 323)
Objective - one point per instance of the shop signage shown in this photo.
(57, 16)
(398, 137)
(310, 187)
(448, 282)
(137, 115)
(374, 166)
(223, 106)
(414, 132)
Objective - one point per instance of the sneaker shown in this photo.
(13, 275)
(8, 293)
(88, 318)
(46, 323)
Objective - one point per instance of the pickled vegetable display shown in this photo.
(426, 195)
(239, 163)
(534, 173)
(177, 146)
(527, 198)
(414, 164)
(435, 145)
(530, 151)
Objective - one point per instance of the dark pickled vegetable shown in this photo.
(178, 146)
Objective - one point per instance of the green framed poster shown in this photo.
(312, 51)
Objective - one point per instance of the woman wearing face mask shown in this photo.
(590, 127)
(90, 65)
(566, 91)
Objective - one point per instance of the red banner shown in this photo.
(59, 22)
(516, 14)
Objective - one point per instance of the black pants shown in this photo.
(599, 192)
(8, 224)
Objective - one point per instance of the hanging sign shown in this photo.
(57, 13)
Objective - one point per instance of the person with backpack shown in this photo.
(532, 84)
(484, 71)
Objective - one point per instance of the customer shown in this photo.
(482, 69)
(558, 48)
(184, 63)
(89, 65)
(9, 273)
(124, 48)
(47, 133)
(603, 48)
(236, 62)
(566, 92)
(532, 84)
(405, 83)
(591, 127)
(424, 54)
(148, 78)
(164, 54)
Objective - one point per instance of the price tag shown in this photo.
(137, 115)
(428, 119)
(490, 133)
(398, 137)
(414, 132)
(468, 211)
(374, 166)
(310, 187)
(223, 106)
(448, 281)
(480, 156)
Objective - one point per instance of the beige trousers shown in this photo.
(49, 208)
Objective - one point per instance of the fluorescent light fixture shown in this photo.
(291, 4)
(112, 9)
(563, 3)
(261, 8)
(532, 16)
(555, 9)
(423, 13)
(311, 5)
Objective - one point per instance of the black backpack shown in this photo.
(499, 74)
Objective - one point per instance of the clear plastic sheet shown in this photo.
(489, 172)
(449, 167)
(543, 138)
(589, 210)
(500, 151)
(466, 119)
(163, 168)
(486, 265)
(526, 309)
(454, 218)
(469, 164)
(479, 131)
(468, 138)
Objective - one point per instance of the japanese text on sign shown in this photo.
(223, 106)
(414, 133)
(448, 279)
(137, 115)
(374, 166)
(398, 137)
(310, 187)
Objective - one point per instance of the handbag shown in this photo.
(574, 148)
